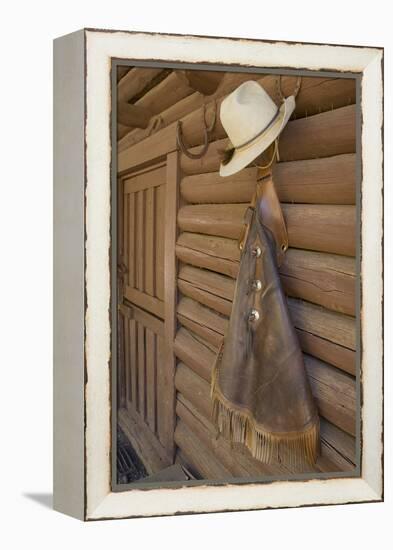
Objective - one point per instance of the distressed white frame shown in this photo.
(101, 47)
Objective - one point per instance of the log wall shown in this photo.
(315, 181)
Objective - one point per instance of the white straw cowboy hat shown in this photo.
(252, 122)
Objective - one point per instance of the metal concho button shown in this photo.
(256, 251)
(253, 315)
(256, 285)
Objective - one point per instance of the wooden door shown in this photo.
(144, 243)
(148, 309)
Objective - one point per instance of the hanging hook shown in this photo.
(206, 131)
(156, 124)
(295, 91)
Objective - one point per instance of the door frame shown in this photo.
(150, 152)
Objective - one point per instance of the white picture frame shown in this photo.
(82, 387)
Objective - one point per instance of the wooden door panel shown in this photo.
(144, 367)
(147, 302)
(144, 204)
(160, 241)
(151, 177)
(149, 260)
(137, 224)
(121, 375)
(151, 379)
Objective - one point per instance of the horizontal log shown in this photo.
(205, 82)
(190, 416)
(200, 338)
(200, 259)
(169, 91)
(133, 115)
(235, 458)
(201, 320)
(329, 352)
(217, 254)
(323, 135)
(141, 155)
(324, 279)
(217, 247)
(201, 458)
(224, 220)
(161, 121)
(212, 283)
(321, 227)
(185, 107)
(135, 81)
(194, 388)
(211, 337)
(122, 130)
(318, 94)
(192, 352)
(187, 307)
(328, 180)
(213, 188)
(206, 298)
(335, 394)
(335, 327)
(337, 447)
(122, 70)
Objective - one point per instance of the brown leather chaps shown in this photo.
(260, 391)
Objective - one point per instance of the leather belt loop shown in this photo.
(248, 215)
(271, 214)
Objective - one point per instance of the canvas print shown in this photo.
(237, 325)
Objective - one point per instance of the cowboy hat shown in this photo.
(252, 122)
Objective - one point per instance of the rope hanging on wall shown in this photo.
(295, 91)
(272, 159)
(207, 131)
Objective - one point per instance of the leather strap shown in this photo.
(248, 215)
(270, 214)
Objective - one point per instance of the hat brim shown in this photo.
(241, 159)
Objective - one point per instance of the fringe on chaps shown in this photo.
(296, 450)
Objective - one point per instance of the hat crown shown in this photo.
(246, 112)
